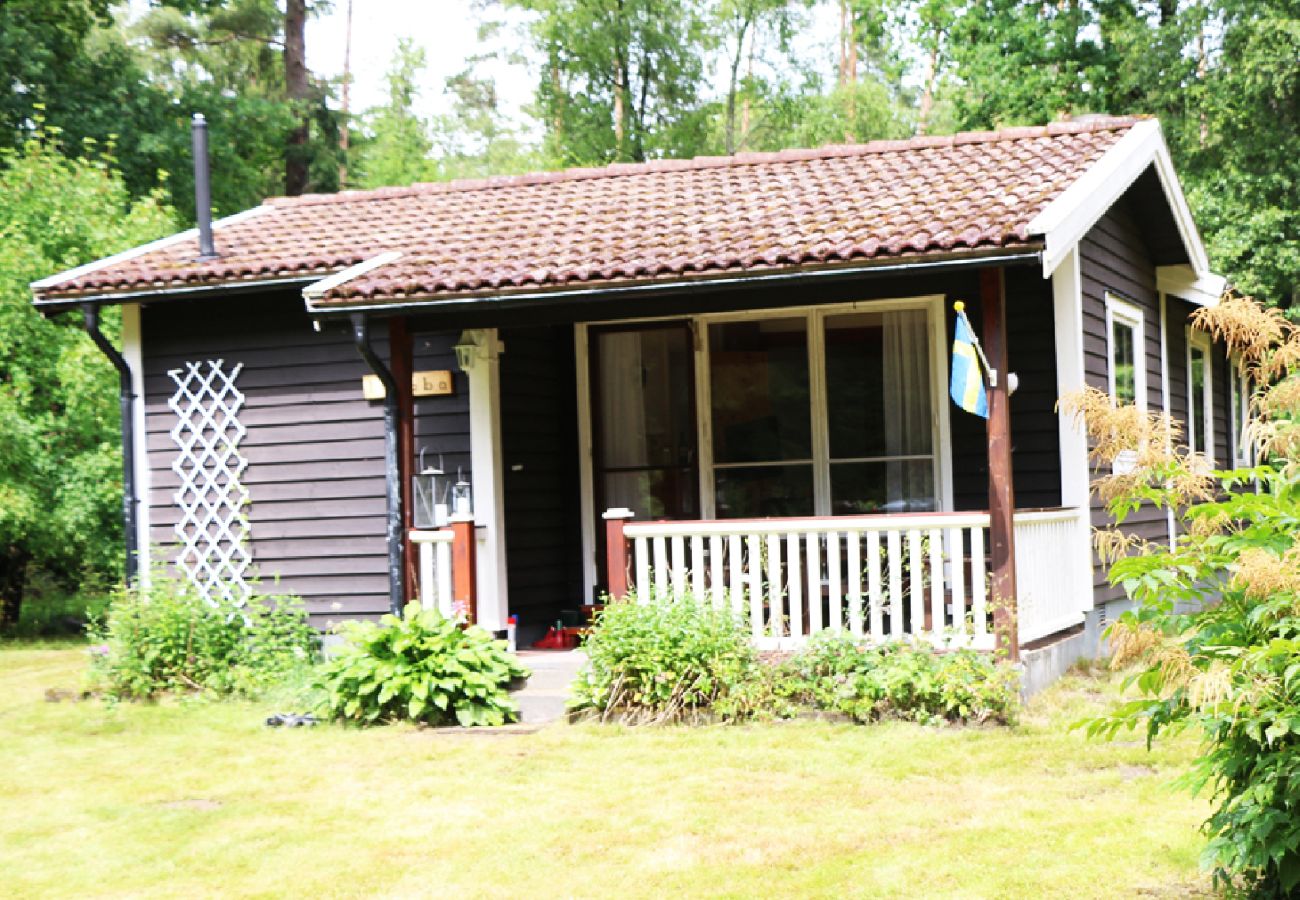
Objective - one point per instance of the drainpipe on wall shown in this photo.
(126, 399)
(392, 470)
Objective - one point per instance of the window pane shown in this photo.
(1197, 378)
(759, 491)
(759, 373)
(1124, 356)
(878, 384)
(643, 380)
(653, 494)
(882, 487)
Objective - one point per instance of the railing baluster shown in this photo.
(813, 572)
(755, 586)
(444, 579)
(697, 567)
(938, 621)
(894, 545)
(978, 587)
(835, 602)
(855, 579)
(775, 615)
(957, 565)
(917, 581)
(793, 557)
(641, 547)
(717, 588)
(678, 566)
(661, 570)
(428, 595)
(735, 582)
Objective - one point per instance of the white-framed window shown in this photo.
(1125, 352)
(1200, 394)
(1243, 454)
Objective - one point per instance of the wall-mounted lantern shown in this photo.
(430, 496)
(467, 351)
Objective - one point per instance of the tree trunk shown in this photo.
(347, 96)
(13, 580)
(297, 89)
(731, 87)
(927, 98)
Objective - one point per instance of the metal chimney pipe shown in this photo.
(202, 187)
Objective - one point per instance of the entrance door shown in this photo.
(644, 454)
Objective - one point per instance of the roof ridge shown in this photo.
(614, 170)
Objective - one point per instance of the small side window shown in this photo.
(1200, 395)
(1124, 347)
(1243, 454)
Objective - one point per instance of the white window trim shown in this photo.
(1199, 340)
(1242, 456)
(1119, 311)
(815, 315)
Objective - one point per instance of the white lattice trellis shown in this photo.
(212, 529)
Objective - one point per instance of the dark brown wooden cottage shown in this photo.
(749, 355)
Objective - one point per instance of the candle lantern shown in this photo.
(462, 503)
(430, 497)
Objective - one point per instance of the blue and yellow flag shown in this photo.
(967, 387)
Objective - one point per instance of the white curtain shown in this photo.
(622, 415)
(907, 408)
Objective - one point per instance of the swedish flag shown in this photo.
(967, 387)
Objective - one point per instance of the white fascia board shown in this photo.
(1065, 220)
(1185, 284)
(58, 278)
(318, 289)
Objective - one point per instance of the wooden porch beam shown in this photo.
(1002, 499)
(400, 363)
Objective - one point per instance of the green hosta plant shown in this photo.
(422, 667)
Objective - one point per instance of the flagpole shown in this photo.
(991, 372)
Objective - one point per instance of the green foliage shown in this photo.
(663, 661)
(422, 667)
(166, 638)
(60, 472)
(900, 681)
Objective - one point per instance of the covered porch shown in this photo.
(801, 464)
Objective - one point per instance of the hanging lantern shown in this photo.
(430, 504)
(462, 503)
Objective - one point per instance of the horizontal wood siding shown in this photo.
(314, 445)
(442, 423)
(1114, 259)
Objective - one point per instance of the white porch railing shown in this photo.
(876, 577)
(435, 581)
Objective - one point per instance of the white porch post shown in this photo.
(479, 354)
(1076, 485)
(133, 353)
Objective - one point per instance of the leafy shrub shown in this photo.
(1216, 631)
(422, 667)
(900, 681)
(664, 661)
(167, 638)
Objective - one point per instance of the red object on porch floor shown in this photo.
(558, 639)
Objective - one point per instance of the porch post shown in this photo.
(616, 551)
(399, 354)
(1002, 499)
(464, 594)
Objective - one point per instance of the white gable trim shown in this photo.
(318, 289)
(58, 278)
(1180, 281)
(1065, 220)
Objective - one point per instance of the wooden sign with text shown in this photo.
(433, 383)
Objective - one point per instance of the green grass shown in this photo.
(52, 616)
(200, 799)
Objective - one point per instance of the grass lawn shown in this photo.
(201, 799)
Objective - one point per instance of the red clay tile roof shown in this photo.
(629, 223)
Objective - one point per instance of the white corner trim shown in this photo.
(318, 289)
(1065, 220)
(58, 278)
(1182, 282)
(1067, 301)
(133, 353)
